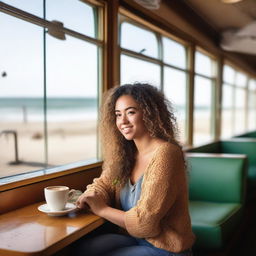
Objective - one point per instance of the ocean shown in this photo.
(58, 109)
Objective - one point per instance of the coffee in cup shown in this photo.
(57, 196)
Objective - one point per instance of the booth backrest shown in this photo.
(240, 146)
(247, 135)
(217, 179)
(213, 147)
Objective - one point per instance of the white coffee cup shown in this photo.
(57, 196)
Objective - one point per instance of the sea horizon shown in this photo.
(30, 109)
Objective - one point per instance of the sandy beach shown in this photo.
(67, 142)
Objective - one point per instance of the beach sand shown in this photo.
(67, 142)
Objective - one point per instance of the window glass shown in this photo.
(48, 95)
(32, 6)
(136, 70)
(71, 100)
(252, 105)
(204, 65)
(227, 112)
(21, 97)
(228, 74)
(241, 79)
(175, 91)
(174, 53)
(240, 108)
(75, 15)
(202, 111)
(138, 40)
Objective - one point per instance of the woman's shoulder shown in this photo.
(168, 147)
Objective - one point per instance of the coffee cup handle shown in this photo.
(71, 193)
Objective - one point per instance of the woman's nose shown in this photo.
(124, 119)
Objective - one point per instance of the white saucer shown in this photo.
(69, 208)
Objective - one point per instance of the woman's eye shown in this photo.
(131, 112)
(118, 115)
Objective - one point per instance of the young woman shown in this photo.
(143, 186)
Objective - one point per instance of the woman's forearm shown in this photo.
(113, 215)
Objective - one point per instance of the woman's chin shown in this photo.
(128, 137)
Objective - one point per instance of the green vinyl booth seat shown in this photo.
(245, 146)
(216, 198)
(251, 134)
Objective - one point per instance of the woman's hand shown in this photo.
(93, 201)
(97, 205)
(81, 202)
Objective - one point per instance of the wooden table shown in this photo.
(27, 231)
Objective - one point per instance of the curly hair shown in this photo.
(158, 117)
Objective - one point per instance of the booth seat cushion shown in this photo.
(213, 223)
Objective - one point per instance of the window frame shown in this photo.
(19, 180)
(127, 16)
(234, 86)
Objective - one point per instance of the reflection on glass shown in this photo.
(135, 70)
(204, 65)
(71, 100)
(32, 6)
(75, 15)
(139, 40)
(227, 112)
(202, 111)
(174, 53)
(21, 96)
(240, 108)
(175, 91)
(228, 74)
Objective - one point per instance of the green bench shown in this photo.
(216, 194)
(251, 134)
(245, 146)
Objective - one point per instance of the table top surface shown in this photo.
(27, 231)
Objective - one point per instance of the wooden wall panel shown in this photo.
(32, 193)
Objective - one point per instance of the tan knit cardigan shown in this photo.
(161, 215)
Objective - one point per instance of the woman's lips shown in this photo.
(126, 130)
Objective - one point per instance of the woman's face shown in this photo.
(129, 118)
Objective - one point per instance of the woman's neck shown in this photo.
(146, 144)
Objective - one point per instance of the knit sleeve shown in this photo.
(103, 186)
(159, 190)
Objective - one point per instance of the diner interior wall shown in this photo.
(33, 193)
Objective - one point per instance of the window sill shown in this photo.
(19, 180)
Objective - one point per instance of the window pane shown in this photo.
(202, 111)
(229, 74)
(204, 65)
(32, 6)
(174, 53)
(241, 79)
(252, 105)
(75, 15)
(21, 96)
(136, 70)
(226, 113)
(138, 40)
(252, 111)
(252, 85)
(72, 100)
(175, 91)
(239, 110)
